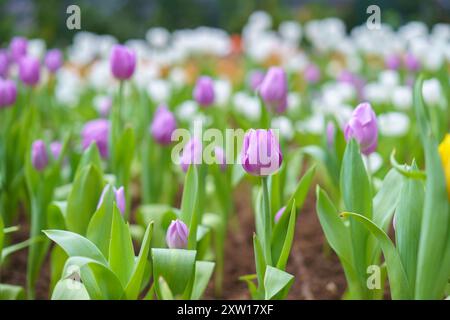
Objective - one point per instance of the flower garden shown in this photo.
(298, 162)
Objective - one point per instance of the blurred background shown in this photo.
(127, 19)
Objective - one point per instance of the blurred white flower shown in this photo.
(69, 87)
(373, 162)
(248, 106)
(159, 91)
(158, 37)
(389, 78)
(283, 124)
(393, 124)
(291, 31)
(376, 93)
(100, 76)
(36, 48)
(187, 110)
(294, 101)
(222, 90)
(432, 92)
(314, 124)
(402, 97)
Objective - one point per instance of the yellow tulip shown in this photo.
(444, 151)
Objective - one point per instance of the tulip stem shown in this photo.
(267, 222)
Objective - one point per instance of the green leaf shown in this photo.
(190, 190)
(100, 282)
(69, 289)
(91, 156)
(164, 290)
(282, 261)
(396, 273)
(260, 262)
(161, 215)
(176, 266)
(135, 283)
(75, 245)
(203, 272)
(83, 199)
(121, 251)
(18, 246)
(277, 283)
(11, 292)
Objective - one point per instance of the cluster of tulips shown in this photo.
(91, 158)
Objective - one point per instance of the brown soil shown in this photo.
(318, 274)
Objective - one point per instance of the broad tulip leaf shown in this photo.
(282, 261)
(11, 292)
(100, 282)
(69, 289)
(161, 215)
(396, 272)
(203, 272)
(75, 245)
(276, 283)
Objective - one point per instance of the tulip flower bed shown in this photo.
(196, 164)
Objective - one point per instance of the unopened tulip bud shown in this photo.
(274, 89)
(55, 149)
(29, 70)
(96, 131)
(177, 235)
(363, 127)
(219, 153)
(279, 214)
(54, 60)
(39, 157)
(119, 196)
(122, 62)
(261, 154)
(8, 93)
(192, 154)
(18, 48)
(204, 91)
(255, 79)
(163, 125)
(312, 73)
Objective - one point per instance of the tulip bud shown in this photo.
(363, 127)
(192, 154)
(392, 62)
(279, 214)
(18, 48)
(29, 70)
(444, 152)
(274, 89)
(8, 93)
(411, 62)
(312, 74)
(4, 64)
(163, 125)
(96, 131)
(204, 91)
(177, 235)
(54, 60)
(39, 157)
(330, 134)
(122, 62)
(55, 149)
(255, 79)
(261, 154)
(219, 153)
(119, 195)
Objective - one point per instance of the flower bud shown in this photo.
(8, 93)
(55, 149)
(255, 79)
(279, 214)
(219, 153)
(411, 62)
(96, 131)
(312, 74)
(261, 154)
(444, 152)
(177, 235)
(330, 134)
(122, 62)
(29, 70)
(192, 154)
(204, 91)
(163, 125)
(392, 62)
(18, 48)
(363, 127)
(54, 60)
(119, 195)
(274, 89)
(39, 157)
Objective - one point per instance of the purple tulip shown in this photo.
(363, 127)
(330, 134)
(39, 156)
(177, 235)
(255, 79)
(312, 73)
(192, 154)
(4, 63)
(18, 48)
(411, 62)
(55, 149)
(261, 154)
(274, 89)
(96, 131)
(8, 93)
(219, 153)
(122, 62)
(204, 91)
(119, 195)
(392, 62)
(279, 214)
(54, 60)
(163, 125)
(29, 70)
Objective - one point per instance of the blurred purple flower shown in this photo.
(119, 195)
(54, 60)
(204, 91)
(163, 125)
(363, 127)
(18, 48)
(330, 134)
(55, 149)
(274, 89)
(122, 62)
(4, 63)
(312, 73)
(8, 93)
(411, 62)
(96, 131)
(29, 70)
(219, 153)
(192, 154)
(256, 77)
(392, 62)
(39, 156)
